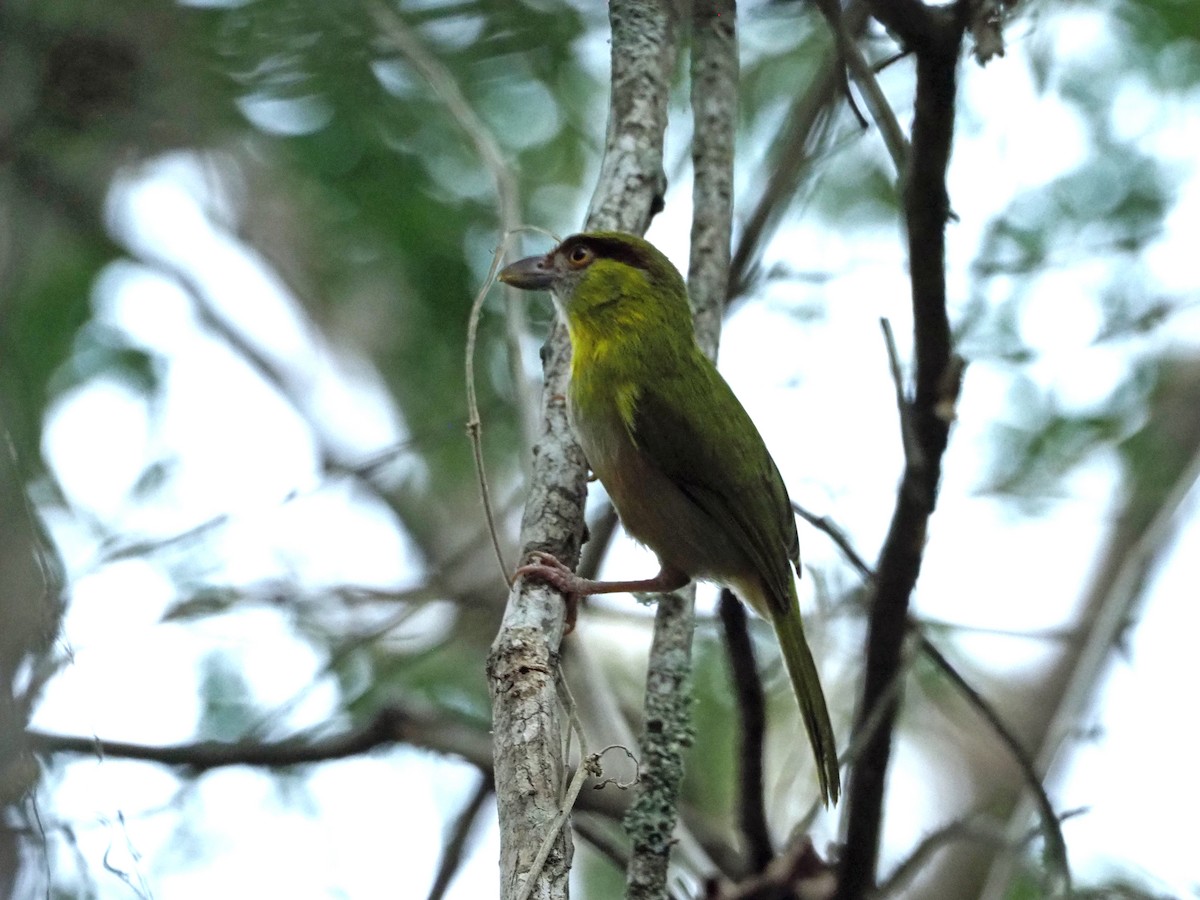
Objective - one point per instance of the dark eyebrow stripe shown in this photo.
(608, 248)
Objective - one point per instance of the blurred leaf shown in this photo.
(226, 713)
(203, 603)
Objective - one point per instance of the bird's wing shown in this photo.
(695, 431)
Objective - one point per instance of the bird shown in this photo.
(680, 458)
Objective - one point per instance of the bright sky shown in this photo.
(839, 452)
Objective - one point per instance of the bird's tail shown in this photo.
(789, 631)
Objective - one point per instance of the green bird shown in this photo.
(685, 467)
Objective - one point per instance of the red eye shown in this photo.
(580, 256)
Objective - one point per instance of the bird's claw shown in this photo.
(548, 568)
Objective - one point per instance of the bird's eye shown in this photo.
(579, 257)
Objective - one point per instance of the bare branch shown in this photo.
(1056, 847)
(714, 116)
(839, 538)
(391, 725)
(424, 729)
(523, 665)
(752, 717)
(926, 208)
(970, 828)
(864, 76)
(667, 734)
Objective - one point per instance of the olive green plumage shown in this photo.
(681, 459)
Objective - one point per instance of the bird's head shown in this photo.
(608, 280)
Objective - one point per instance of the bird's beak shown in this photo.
(534, 273)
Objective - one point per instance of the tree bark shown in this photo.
(523, 667)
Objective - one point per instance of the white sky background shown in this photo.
(839, 453)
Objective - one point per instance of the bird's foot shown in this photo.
(548, 568)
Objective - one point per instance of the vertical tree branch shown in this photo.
(632, 181)
(752, 719)
(714, 115)
(665, 738)
(30, 608)
(667, 735)
(523, 665)
(936, 39)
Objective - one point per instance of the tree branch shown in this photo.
(391, 725)
(527, 723)
(650, 822)
(427, 730)
(840, 540)
(937, 381)
(1059, 869)
(864, 75)
(752, 718)
(714, 116)
(668, 732)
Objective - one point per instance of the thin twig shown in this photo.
(864, 75)
(808, 126)
(446, 88)
(839, 538)
(912, 449)
(1050, 635)
(1056, 846)
(474, 424)
(893, 355)
(985, 831)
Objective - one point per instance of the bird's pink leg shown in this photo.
(547, 568)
